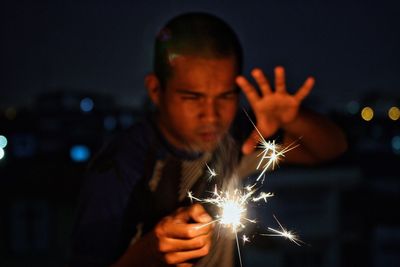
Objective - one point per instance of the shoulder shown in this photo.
(124, 156)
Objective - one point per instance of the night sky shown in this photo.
(106, 46)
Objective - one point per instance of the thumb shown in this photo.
(250, 144)
(199, 214)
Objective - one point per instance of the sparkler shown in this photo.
(233, 203)
(233, 209)
(232, 206)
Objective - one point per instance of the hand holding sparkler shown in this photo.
(180, 237)
(273, 109)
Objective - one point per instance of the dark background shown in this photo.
(72, 76)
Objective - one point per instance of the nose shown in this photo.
(210, 112)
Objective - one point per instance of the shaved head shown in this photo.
(194, 34)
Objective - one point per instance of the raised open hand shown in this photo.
(273, 108)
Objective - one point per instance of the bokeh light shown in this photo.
(367, 113)
(110, 123)
(3, 141)
(394, 113)
(79, 153)
(2, 153)
(87, 104)
(353, 107)
(396, 144)
(126, 120)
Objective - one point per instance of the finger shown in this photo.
(177, 229)
(250, 144)
(184, 256)
(248, 90)
(195, 212)
(178, 226)
(168, 245)
(262, 81)
(305, 89)
(199, 214)
(280, 84)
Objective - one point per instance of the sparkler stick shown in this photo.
(237, 245)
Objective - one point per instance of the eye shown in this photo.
(228, 96)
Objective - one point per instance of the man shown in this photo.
(134, 210)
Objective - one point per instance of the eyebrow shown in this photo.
(190, 92)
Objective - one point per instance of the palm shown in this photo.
(273, 108)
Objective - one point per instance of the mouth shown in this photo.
(209, 136)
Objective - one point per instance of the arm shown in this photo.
(320, 139)
(176, 240)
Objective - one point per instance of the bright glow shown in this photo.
(353, 107)
(231, 213)
(3, 141)
(1, 153)
(79, 153)
(367, 113)
(394, 113)
(86, 104)
(396, 144)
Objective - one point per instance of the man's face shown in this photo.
(198, 103)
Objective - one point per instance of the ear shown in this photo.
(152, 84)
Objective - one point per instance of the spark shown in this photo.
(245, 239)
(263, 196)
(250, 187)
(211, 172)
(271, 153)
(232, 205)
(284, 233)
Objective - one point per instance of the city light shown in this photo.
(86, 104)
(396, 144)
(126, 120)
(353, 107)
(367, 113)
(110, 123)
(394, 113)
(3, 141)
(79, 153)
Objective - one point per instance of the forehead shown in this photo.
(197, 73)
